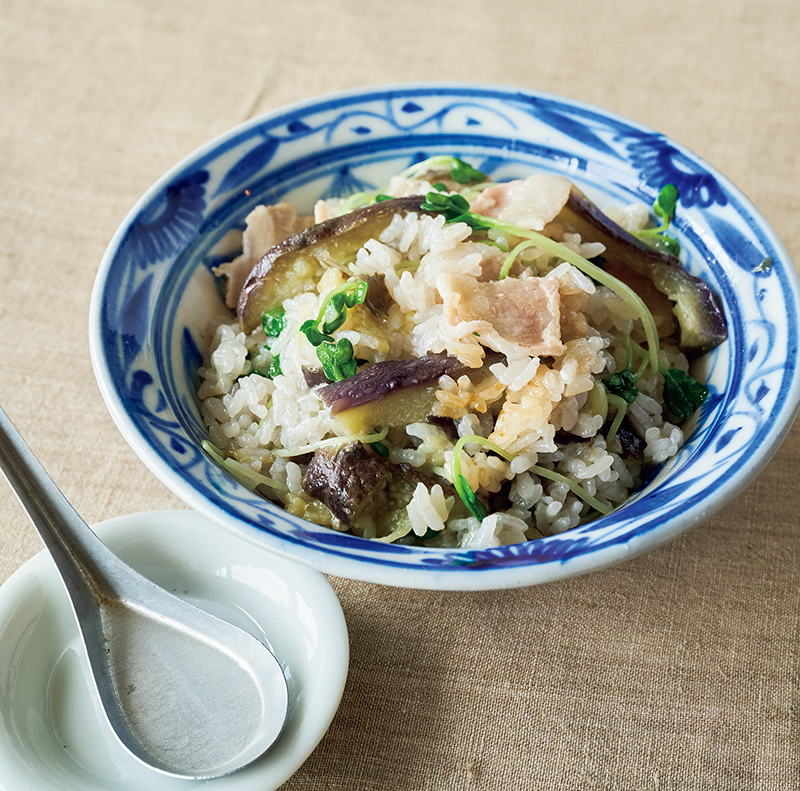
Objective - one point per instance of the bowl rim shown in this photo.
(431, 577)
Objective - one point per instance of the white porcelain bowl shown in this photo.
(53, 733)
(155, 293)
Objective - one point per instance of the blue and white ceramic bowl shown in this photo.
(155, 293)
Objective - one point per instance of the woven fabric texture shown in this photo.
(675, 671)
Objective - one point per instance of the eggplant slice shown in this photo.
(701, 321)
(296, 264)
(350, 481)
(380, 379)
(355, 484)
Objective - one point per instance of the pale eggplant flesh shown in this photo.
(697, 309)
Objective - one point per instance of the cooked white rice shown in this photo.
(525, 404)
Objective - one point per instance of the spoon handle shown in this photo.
(69, 540)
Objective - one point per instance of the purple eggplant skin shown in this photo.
(380, 379)
(701, 320)
(296, 264)
(378, 298)
(314, 377)
(633, 445)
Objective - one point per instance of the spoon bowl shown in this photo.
(184, 692)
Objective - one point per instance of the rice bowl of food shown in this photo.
(448, 336)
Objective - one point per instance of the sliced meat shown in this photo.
(516, 317)
(530, 203)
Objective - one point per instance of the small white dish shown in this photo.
(53, 734)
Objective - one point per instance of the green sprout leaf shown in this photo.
(670, 244)
(470, 499)
(455, 208)
(380, 449)
(337, 359)
(683, 394)
(309, 329)
(666, 203)
(274, 322)
(463, 173)
(664, 207)
(275, 367)
(765, 265)
(623, 384)
(338, 302)
(336, 356)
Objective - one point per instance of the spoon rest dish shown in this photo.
(53, 734)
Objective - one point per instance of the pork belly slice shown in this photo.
(530, 203)
(516, 317)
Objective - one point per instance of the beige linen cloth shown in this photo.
(678, 670)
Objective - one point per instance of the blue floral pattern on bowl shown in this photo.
(155, 300)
